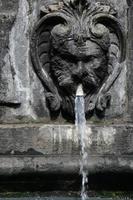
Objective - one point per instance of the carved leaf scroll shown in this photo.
(81, 43)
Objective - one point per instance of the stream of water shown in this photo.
(80, 123)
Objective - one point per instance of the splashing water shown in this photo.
(80, 123)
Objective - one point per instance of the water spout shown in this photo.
(79, 91)
(80, 123)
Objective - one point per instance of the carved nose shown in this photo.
(79, 39)
(78, 72)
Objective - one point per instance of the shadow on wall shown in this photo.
(67, 183)
(130, 2)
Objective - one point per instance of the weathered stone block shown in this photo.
(8, 6)
(45, 148)
(56, 149)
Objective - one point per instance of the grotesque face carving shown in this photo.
(79, 44)
(86, 65)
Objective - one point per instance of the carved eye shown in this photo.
(60, 31)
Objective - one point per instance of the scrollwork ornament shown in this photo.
(81, 43)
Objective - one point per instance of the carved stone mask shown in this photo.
(82, 43)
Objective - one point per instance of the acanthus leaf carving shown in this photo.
(82, 43)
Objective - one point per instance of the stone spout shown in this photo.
(79, 91)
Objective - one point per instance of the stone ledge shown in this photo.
(63, 165)
(49, 149)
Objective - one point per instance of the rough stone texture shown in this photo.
(119, 94)
(55, 149)
(7, 91)
(19, 83)
(62, 66)
(130, 63)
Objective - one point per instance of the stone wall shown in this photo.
(22, 94)
(29, 140)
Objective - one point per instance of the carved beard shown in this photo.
(88, 78)
(68, 75)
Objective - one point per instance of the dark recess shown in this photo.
(65, 183)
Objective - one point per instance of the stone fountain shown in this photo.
(47, 49)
